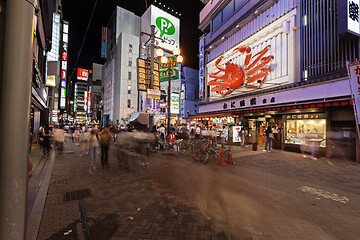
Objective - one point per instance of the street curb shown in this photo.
(34, 220)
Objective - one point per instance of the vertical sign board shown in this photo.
(89, 101)
(201, 67)
(354, 78)
(64, 65)
(103, 42)
(143, 81)
(348, 18)
(153, 101)
(175, 103)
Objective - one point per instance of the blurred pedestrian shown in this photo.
(94, 142)
(59, 137)
(84, 143)
(105, 142)
(77, 136)
(46, 143)
(269, 138)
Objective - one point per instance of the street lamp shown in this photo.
(168, 63)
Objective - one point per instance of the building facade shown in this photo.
(280, 62)
(189, 93)
(119, 73)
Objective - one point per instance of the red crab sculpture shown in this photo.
(236, 76)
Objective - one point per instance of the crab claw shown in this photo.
(243, 49)
(219, 88)
(215, 82)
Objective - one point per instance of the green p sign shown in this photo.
(165, 26)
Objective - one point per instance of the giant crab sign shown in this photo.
(236, 76)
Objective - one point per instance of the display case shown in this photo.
(305, 129)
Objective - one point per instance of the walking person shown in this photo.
(77, 136)
(269, 139)
(94, 142)
(105, 142)
(46, 142)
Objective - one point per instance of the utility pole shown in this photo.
(15, 118)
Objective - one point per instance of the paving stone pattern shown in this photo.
(177, 198)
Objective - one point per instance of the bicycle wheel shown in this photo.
(206, 157)
(182, 147)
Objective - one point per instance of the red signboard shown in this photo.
(64, 56)
(63, 74)
(82, 74)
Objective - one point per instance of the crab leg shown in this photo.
(215, 82)
(260, 75)
(243, 49)
(261, 54)
(265, 60)
(230, 91)
(217, 63)
(252, 86)
(219, 88)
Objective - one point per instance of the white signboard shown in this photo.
(175, 103)
(236, 130)
(354, 71)
(353, 16)
(167, 27)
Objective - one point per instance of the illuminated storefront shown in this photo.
(252, 69)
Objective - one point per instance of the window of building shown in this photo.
(129, 89)
(129, 103)
(129, 75)
(216, 22)
(130, 62)
(130, 48)
(228, 11)
(239, 4)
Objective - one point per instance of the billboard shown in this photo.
(103, 42)
(175, 103)
(82, 74)
(153, 101)
(167, 27)
(348, 17)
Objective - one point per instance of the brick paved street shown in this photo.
(277, 195)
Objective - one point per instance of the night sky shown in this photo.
(78, 12)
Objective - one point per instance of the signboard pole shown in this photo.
(354, 101)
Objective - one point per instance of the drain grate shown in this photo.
(76, 195)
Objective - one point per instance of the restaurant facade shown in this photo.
(280, 64)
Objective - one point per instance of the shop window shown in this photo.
(299, 129)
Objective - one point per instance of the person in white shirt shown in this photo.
(197, 132)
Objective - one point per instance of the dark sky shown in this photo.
(78, 12)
